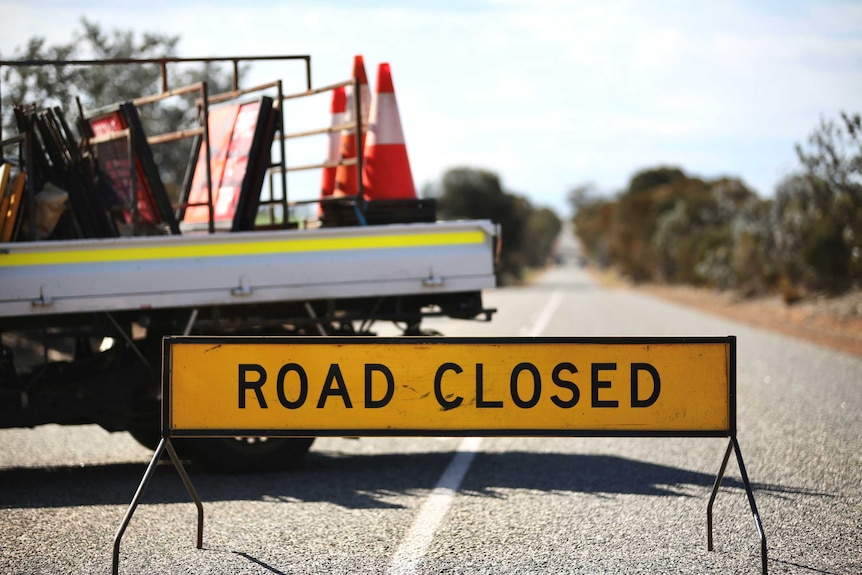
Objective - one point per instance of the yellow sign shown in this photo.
(442, 386)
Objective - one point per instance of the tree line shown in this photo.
(673, 227)
(528, 234)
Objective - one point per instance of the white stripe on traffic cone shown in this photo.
(338, 108)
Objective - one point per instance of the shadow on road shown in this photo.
(360, 481)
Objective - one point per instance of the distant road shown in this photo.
(490, 506)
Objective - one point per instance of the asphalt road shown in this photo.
(491, 505)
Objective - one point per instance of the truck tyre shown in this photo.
(149, 437)
(245, 453)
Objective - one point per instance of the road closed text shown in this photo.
(454, 387)
(438, 385)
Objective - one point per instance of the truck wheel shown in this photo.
(245, 453)
(149, 437)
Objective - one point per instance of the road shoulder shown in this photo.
(834, 322)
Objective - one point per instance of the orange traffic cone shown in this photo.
(339, 106)
(346, 180)
(386, 171)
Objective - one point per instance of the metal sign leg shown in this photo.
(733, 445)
(192, 493)
(164, 444)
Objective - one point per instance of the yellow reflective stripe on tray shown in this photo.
(246, 248)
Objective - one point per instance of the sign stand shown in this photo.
(638, 400)
(164, 444)
(733, 445)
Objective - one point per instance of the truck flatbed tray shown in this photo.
(47, 278)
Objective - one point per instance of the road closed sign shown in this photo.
(289, 386)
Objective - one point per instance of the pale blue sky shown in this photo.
(546, 93)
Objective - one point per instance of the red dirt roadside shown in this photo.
(834, 322)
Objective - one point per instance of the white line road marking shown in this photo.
(418, 538)
(414, 546)
(547, 313)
